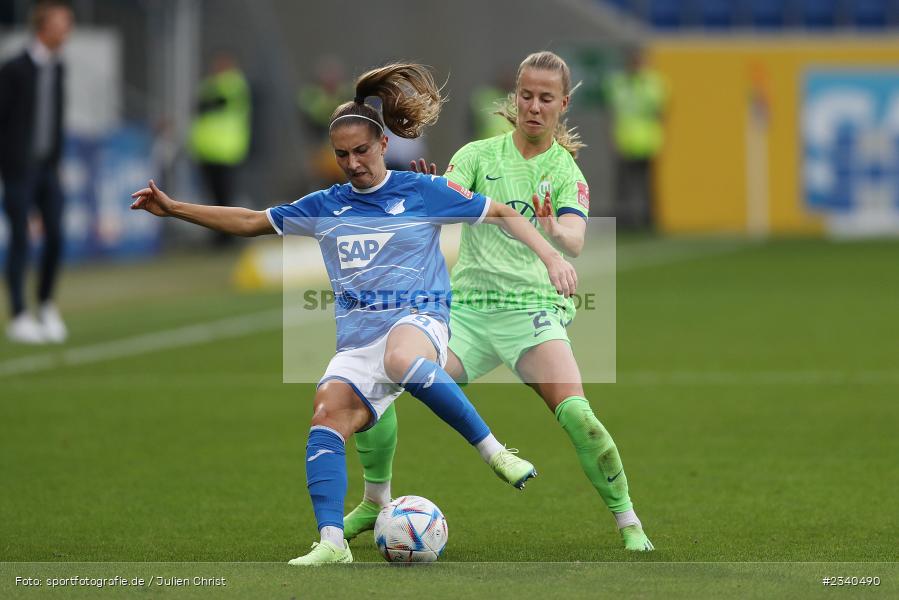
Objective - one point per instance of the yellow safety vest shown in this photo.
(637, 101)
(485, 102)
(220, 132)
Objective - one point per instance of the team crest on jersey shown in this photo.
(397, 208)
(357, 251)
(545, 187)
(465, 192)
(583, 195)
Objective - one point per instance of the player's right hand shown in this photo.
(153, 200)
(562, 275)
(421, 166)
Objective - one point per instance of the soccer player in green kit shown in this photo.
(504, 310)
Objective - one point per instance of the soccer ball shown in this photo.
(411, 529)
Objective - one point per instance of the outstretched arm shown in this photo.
(561, 273)
(227, 219)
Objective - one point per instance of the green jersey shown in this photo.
(495, 271)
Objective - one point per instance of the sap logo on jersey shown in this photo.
(359, 250)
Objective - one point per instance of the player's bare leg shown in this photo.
(454, 368)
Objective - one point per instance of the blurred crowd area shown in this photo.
(751, 117)
(763, 14)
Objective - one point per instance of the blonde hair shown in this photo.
(410, 100)
(567, 137)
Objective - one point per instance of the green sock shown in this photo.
(376, 448)
(597, 452)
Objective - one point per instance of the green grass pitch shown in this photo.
(756, 412)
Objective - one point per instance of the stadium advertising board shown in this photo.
(850, 147)
(826, 109)
(98, 172)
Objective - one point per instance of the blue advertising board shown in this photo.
(98, 176)
(850, 144)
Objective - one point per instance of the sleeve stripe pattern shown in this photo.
(567, 209)
(483, 216)
(271, 219)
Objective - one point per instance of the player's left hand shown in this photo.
(421, 166)
(562, 275)
(545, 215)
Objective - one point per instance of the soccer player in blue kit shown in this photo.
(379, 237)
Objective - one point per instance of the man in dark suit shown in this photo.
(31, 125)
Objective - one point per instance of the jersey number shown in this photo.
(540, 320)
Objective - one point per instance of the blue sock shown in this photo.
(432, 385)
(326, 475)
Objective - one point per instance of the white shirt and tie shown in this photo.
(44, 115)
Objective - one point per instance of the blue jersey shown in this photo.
(381, 247)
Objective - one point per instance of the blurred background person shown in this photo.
(637, 101)
(316, 101)
(220, 133)
(485, 101)
(402, 151)
(31, 124)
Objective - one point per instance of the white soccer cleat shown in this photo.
(25, 329)
(54, 329)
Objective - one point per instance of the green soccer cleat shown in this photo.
(635, 540)
(362, 518)
(512, 469)
(323, 553)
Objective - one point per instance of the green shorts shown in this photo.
(484, 340)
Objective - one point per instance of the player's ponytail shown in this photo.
(567, 137)
(410, 100)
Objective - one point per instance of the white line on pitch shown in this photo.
(776, 377)
(189, 335)
(658, 253)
